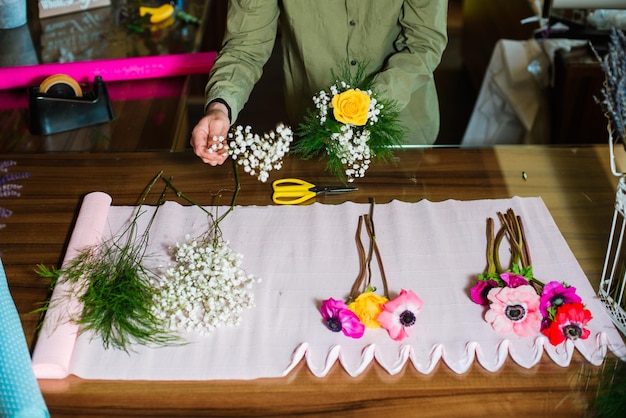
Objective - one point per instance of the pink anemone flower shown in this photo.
(338, 317)
(400, 314)
(514, 310)
(480, 290)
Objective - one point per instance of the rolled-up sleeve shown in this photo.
(419, 47)
(248, 41)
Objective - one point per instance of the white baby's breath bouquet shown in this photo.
(350, 124)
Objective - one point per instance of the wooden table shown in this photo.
(575, 184)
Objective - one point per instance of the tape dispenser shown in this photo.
(59, 104)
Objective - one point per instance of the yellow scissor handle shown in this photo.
(157, 14)
(292, 191)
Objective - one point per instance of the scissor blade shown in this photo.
(333, 189)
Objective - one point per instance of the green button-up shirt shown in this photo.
(400, 40)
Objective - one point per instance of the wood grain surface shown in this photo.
(575, 184)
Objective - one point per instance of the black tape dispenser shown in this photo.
(59, 104)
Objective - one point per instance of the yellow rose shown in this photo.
(351, 107)
(367, 306)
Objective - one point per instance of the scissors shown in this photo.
(294, 191)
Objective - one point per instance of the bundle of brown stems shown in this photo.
(513, 229)
(365, 258)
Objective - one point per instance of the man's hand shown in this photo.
(208, 138)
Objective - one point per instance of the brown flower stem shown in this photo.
(365, 259)
(372, 234)
(369, 227)
(354, 292)
(510, 224)
(513, 229)
(526, 253)
(491, 263)
(369, 224)
(517, 236)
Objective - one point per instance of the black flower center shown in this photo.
(407, 318)
(515, 312)
(573, 332)
(557, 300)
(333, 324)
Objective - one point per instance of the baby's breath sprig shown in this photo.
(258, 155)
(206, 287)
(350, 124)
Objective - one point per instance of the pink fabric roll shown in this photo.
(53, 352)
(115, 69)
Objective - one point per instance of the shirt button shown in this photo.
(352, 23)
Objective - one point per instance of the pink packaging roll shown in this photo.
(115, 69)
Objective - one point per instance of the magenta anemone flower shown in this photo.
(480, 290)
(400, 314)
(568, 324)
(513, 280)
(514, 309)
(338, 317)
(555, 294)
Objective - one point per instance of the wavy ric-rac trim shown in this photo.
(561, 355)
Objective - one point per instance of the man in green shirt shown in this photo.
(401, 41)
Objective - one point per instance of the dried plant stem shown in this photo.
(365, 260)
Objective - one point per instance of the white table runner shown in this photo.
(305, 254)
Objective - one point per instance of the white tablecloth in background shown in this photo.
(512, 104)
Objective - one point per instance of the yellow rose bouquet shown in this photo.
(350, 124)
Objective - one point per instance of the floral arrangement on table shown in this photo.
(125, 303)
(350, 124)
(366, 309)
(613, 100)
(8, 187)
(519, 303)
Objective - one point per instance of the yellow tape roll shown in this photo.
(61, 85)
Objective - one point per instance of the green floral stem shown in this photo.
(133, 224)
(235, 194)
(168, 182)
(217, 219)
(496, 255)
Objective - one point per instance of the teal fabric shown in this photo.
(20, 396)
(401, 41)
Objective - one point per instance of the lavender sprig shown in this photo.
(7, 186)
(614, 87)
